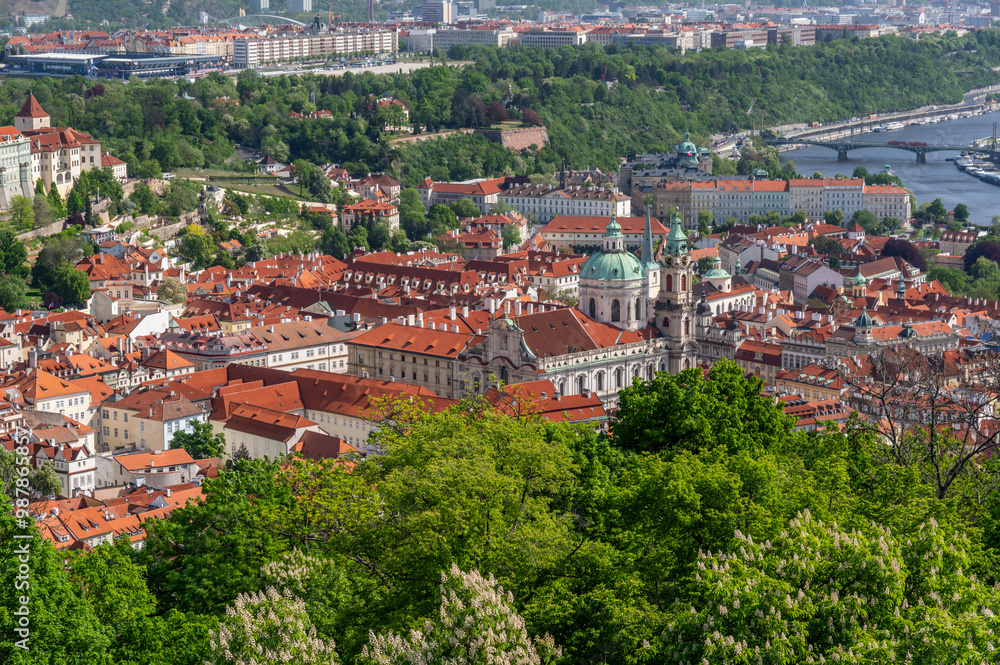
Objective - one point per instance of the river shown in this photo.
(937, 178)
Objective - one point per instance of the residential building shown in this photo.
(812, 382)
(156, 468)
(308, 344)
(16, 177)
(956, 243)
(844, 194)
(546, 202)
(146, 419)
(569, 231)
(250, 52)
(379, 210)
(425, 357)
(58, 154)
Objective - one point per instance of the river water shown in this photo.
(937, 178)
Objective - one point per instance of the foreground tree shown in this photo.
(689, 411)
(269, 628)
(475, 625)
(819, 593)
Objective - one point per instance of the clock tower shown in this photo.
(675, 306)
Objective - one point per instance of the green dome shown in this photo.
(687, 151)
(612, 267)
(716, 273)
(864, 321)
(859, 279)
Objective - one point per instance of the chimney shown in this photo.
(465, 311)
(340, 312)
(270, 329)
(454, 329)
(451, 312)
(401, 320)
(493, 306)
(517, 308)
(410, 320)
(420, 319)
(531, 308)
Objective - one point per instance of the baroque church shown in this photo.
(619, 289)
(635, 317)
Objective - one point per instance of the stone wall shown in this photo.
(515, 140)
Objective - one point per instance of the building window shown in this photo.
(616, 310)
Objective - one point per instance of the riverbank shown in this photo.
(937, 178)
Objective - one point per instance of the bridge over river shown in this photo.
(843, 146)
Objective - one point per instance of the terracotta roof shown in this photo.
(31, 109)
(157, 459)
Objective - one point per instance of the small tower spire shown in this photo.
(647, 236)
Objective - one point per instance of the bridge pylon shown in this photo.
(842, 154)
(921, 157)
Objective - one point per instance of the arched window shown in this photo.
(684, 282)
(593, 308)
(649, 372)
(687, 364)
(670, 282)
(666, 322)
(638, 309)
(628, 310)
(582, 384)
(618, 378)
(616, 310)
(687, 327)
(600, 380)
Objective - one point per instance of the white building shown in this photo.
(305, 344)
(545, 202)
(553, 38)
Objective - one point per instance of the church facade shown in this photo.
(634, 317)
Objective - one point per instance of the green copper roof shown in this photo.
(859, 279)
(613, 229)
(612, 266)
(677, 231)
(716, 273)
(864, 321)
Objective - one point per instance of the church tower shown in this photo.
(31, 116)
(675, 306)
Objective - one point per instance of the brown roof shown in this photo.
(31, 109)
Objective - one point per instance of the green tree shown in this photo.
(63, 627)
(42, 208)
(196, 246)
(511, 235)
(689, 411)
(200, 442)
(55, 200)
(466, 208)
(961, 213)
(13, 293)
(171, 291)
(180, 196)
(21, 213)
(937, 210)
(705, 223)
(269, 627)
(475, 623)
(143, 198)
(115, 588)
(334, 243)
(59, 251)
(820, 592)
(71, 285)
(13, 255)
(442, 218)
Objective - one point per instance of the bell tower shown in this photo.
(675, 306)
